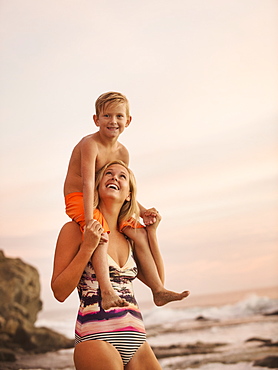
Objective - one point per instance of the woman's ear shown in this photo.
(128, 198)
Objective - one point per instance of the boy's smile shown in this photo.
(112, 120)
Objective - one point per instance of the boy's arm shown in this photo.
(88, 165)
(148, 215)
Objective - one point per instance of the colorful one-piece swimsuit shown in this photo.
(123, 327)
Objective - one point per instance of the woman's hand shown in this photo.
(93, 235)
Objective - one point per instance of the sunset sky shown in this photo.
(202, 80)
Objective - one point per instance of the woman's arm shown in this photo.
(72, 255)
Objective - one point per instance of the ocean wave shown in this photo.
(251, 305)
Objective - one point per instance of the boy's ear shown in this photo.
(128, 121)
(95, 118)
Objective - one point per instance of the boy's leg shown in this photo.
(75, 210)
(108, 294)
(151, 269)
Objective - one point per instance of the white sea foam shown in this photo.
(62, 321)
(252, 305)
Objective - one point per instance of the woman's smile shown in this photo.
(116, 179)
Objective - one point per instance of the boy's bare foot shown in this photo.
(165, 296)
(111, 299)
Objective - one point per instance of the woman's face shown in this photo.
(115, 184)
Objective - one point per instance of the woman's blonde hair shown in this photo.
(129, 208)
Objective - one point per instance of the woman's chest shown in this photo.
(119, 249)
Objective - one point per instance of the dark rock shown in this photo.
(185, 349)
(201, 318)
(7, 355)
(256, 339)
(273, 313)
(19, 289)
(19, 307)
(265, 342)
(40, 340)
(271, 362)
(270, 344)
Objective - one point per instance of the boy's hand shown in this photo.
(104, 238)
(156, 223)
(92, 234)
(150, 216)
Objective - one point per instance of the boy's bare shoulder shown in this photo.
(123, 153)
(92, 138)
(89, 140)
(122, 148)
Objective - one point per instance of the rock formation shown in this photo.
(19, 306)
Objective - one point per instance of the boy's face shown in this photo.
(112, 120)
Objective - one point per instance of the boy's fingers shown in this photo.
(104, 236)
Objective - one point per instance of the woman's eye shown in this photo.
(108, 173)
(124, 176)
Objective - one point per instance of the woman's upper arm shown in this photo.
(67, 246)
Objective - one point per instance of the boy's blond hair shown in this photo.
(111, 98)
(129, 208)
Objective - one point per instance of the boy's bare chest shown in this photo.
(105, 157)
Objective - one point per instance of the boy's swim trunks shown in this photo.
(75, 210)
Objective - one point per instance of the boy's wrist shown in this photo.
(142, 212)
(151, 229)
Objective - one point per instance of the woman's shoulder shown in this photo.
(70, 231)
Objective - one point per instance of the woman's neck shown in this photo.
(110, 212)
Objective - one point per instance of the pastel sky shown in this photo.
(202, 80)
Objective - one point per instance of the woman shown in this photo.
(113, 339)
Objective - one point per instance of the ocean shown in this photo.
(199, 334)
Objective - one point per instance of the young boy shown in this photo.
(89, 155)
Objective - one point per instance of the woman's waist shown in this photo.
(95, 313)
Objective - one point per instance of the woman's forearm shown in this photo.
(71, 256)
(65, 283)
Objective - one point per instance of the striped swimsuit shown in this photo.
(122, 327)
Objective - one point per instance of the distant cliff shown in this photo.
(19, 306)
